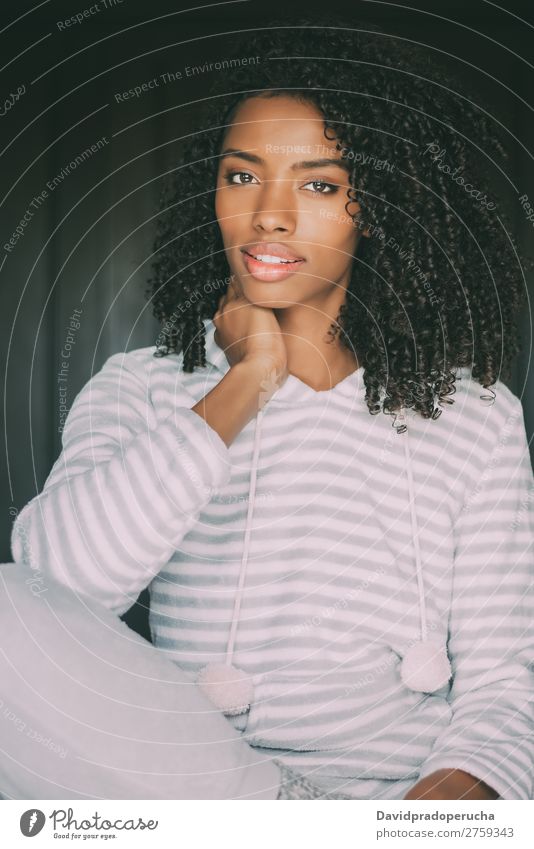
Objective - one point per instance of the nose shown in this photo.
(275, 207)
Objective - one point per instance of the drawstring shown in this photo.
(228, 687)
(425, 666)
(246, 544)
(415, 536)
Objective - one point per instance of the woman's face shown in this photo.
(281, 195)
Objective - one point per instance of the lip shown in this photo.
(272, 248)
(268, 271)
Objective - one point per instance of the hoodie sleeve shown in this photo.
(491, 631)
(124, 491)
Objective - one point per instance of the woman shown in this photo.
(343, 571)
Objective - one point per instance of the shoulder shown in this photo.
(473, 420)
(481, 420)
(141, 362)
(484, 408)
(137, 371)
(127, 377)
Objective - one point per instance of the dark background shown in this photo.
(88, 245)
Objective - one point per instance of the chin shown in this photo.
(273, 303)
(278, 294)
(276, 305)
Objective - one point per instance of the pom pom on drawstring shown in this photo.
(425, 666)
(230, 689)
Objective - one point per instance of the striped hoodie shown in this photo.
(361, 535)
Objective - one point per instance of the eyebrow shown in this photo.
(297, 166)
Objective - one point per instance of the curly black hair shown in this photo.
(438, 284)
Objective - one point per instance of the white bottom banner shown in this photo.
(242, 824)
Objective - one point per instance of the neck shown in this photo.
(312, 355)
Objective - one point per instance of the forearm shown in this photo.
(238, 397)
(107, 531)
(451, 784)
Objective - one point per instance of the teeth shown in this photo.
(275, 260)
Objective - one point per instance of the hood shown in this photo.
(293, 391)
(425, 665)
(215, 356)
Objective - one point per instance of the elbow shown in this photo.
(21, 549)
(33, 552)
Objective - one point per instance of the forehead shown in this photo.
(280, 128)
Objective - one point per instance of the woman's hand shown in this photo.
(246, 332)
(451, 784)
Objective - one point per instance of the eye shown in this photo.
(229, 177)
(319, 187)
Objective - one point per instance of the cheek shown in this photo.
(336, 240)
(347, 237)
